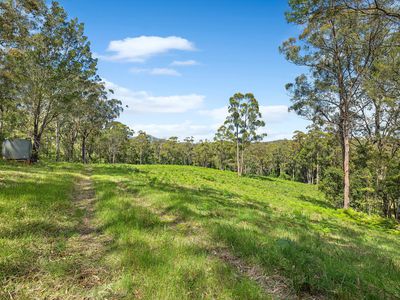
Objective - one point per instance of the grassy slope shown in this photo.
(36, 219)
(42, 255)
(167, 219)
(168, 224)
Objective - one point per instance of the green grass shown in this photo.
(168, 226)
(41, 255)
(36, 219)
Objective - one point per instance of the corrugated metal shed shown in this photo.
(18, 149)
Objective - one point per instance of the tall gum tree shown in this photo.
(338, 46)
(46, 64)
(242, 123)
(17, 18)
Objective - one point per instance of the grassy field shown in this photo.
(173, 232)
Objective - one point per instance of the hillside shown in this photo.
(173, 232)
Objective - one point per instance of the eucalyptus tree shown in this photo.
(47, 64)
(17, 18)
(312, 153)
(339, 47)
(389, 9)
(141, 145)
(97, 110)
(223, 149)
(114, 142)
(203, 154)
(242, 123)
(379, 123)
(188, 144)
(170, 151)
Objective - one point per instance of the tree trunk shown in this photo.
(1, 127)
(36, 143)
(84, 149)
(238, 157)
(71, 146)
(317, 176)
(242, 162)
(71, 151)
(1, 119)
(346, 169)
(57, 140)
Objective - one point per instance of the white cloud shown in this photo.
(204, 131)
(181, 130)
(143, 101)
(274, 113)
(139, 49)
(165, 71)
(270, 113)
(157, 71)
(184, 63)
(217, 114)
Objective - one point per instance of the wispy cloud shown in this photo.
(165, 71)
(216, 114)
(181, 130)
(274, 113)
(156, 71)
(139, 49)
(184, 63)
(270, 113)
(143, 101)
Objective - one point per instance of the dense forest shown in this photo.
(51, 93)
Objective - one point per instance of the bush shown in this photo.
(332, 185)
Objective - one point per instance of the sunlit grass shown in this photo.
(287, 228)
(40, 257)
(160, 229)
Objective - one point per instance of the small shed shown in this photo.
(18, 149)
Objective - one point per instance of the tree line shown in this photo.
(312, 157)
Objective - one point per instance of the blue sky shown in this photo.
(176, 63)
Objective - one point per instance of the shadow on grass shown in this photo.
(314, 264)
(260, 177)
(37, 228)
(36, 214)
(315, 201)
(117, 169)
(149, 250)
(343, 264)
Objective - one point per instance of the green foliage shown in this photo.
(48, 77)
(241, 125)
(332, 185)
(351, 51)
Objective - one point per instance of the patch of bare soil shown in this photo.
(90, 244)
